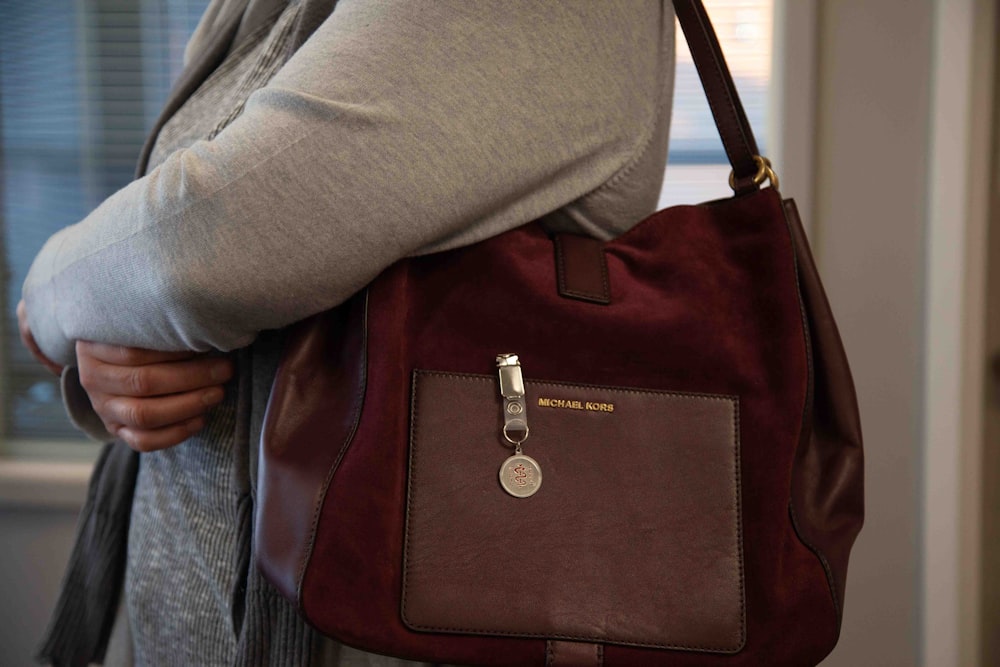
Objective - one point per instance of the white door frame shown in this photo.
(958, 209)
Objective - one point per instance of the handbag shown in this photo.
(551, 450)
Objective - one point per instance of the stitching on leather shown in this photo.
(589, 640)
(563, 289)
(417, 373)
(810, 395)
(716, 74)
(717, 71)
(552, 383)
(359, 398)
(735, 105)
(560, 266)
(410, 483)
(590, 296)
(737, 454)
(604, 297)
(822, 559)
(604, 273)
(550, 656)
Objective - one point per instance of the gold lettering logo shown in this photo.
(590, 406)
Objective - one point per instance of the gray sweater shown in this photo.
(398, 128)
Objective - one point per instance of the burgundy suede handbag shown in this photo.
(558, 451)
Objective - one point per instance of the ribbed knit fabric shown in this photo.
(221, 98)
(192, 596)
(184, 587)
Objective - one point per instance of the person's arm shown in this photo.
(398, 128)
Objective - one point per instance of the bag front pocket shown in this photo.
(633, 536)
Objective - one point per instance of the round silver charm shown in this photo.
(520, 476)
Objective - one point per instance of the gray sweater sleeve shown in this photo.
(399, 128)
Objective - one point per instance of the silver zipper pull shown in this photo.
(520, 475)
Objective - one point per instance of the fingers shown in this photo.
(154, 379)
(151, 400)
(119, 355)
(151, 440)
(142, 414)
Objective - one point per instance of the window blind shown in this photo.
(697, 168)
(744, 28)
(80, 81)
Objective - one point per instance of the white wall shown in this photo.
(869, 218)
(901, 190)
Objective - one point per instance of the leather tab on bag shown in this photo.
(582, 269)
(573, 654)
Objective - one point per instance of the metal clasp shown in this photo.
(515, 426)
(511, 380)
(765, 172)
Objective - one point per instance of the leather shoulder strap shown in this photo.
(724, 101)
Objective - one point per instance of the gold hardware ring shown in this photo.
(764, 173)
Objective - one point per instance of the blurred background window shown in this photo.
(697, 169)
(81, 81)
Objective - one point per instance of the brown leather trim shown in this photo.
(676, 472)
(582, 268)
(791, 213)
(323, 371)
(573, 654)
(826, 504)
(830, 580)
(360, 384)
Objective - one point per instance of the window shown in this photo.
(82, 80)
(697, 168)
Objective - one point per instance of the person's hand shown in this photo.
(29, 341)
(151, 400)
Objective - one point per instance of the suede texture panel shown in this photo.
(704, 299)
